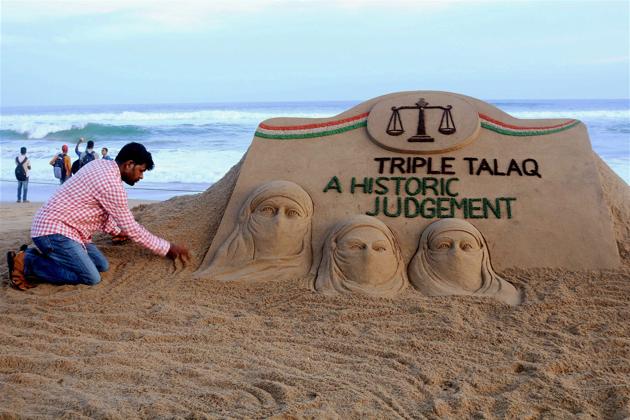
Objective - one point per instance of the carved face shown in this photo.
(366, 256)
(278, 225)
(456, 256)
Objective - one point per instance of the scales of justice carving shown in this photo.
(395, 126)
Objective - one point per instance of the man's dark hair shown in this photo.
(136, 152)
(106, 149)
(23, 150)
(90, 144)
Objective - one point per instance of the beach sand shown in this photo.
(149, 341)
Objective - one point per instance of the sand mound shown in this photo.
(151, 342)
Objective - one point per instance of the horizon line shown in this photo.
(289, 102)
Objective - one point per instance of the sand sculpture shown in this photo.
(409, 159)
(361, 255)
(453, 259)
(270, 240)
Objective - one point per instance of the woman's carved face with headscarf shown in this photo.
(366, 256)
(457, 255)
(278, 225)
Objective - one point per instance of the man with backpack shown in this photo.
(84, 157)
(22, 168)
(61, 165)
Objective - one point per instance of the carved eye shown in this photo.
(267, 210)
(443, 245)
(357, 246)
(292, 213)
(379, 248)
(466, 246)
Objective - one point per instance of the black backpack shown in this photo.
(20, 173)
(82, 161)
(59, 163)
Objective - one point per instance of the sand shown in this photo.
(149, 341)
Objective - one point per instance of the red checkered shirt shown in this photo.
(93, 200)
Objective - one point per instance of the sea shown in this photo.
(194, 145)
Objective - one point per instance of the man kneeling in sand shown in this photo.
(92, 200)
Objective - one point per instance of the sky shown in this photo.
(61, 52)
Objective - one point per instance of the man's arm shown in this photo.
(114, 201)
(53, 160)
(76, 148)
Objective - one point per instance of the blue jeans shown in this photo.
(22, 189)
(64, 261)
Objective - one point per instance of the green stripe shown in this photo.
(509, 132)
(311, 135)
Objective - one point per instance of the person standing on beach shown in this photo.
(104, 154)
(62, 161)
(93, 200)
(22, 172)
(84, 157)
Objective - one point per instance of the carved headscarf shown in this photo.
(240, 258)
(434, 273)
(331, 278)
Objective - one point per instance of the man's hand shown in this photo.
(179, 252)
(80, 140)
(120, 239)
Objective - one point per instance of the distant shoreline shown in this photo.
(40, 191)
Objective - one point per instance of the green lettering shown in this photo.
(333, 184)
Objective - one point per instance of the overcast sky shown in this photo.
(153, 51)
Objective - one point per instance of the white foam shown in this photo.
(37, 126)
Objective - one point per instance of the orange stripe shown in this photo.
(307, 126)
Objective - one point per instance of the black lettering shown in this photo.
(397, 163)
(381, 164)
(470, 161)
(514, 167)
(496, 168)
(446, 166)
(534, 170)
(418, 162)
(430, 170)
(484, 166)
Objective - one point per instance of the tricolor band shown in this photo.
(515, 130)
(309, 131)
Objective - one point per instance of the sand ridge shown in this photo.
(149, 341)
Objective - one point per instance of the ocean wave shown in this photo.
(38, 126)
(89, 130)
